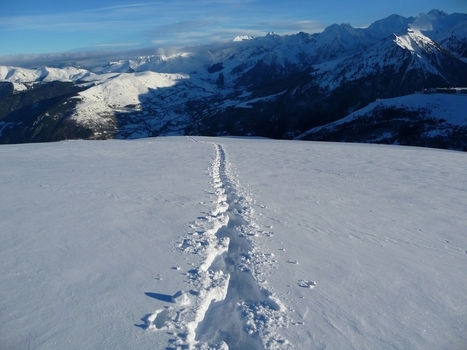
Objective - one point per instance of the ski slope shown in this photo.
(231, 243)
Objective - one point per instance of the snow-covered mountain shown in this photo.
(43, 74)
(398, 63)
(275, 86)
(450, 31)
(429, 120)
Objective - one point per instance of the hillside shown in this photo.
(430, 120)
(273, 86)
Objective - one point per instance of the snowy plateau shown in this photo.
(273, 86)
(232, 243)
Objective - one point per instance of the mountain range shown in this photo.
(273, 86)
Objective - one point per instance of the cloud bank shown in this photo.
(28, 38)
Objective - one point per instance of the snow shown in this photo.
(231, 243)
(416, 42)
(118, 92)
(436, 20)
(243, 37)
(407, 42)
(384, 54)
(450, 108)
(46, 74)
(393, 24)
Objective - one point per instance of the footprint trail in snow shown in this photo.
(228, 305)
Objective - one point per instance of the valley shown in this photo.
(272, 86)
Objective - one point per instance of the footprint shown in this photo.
(295, 262)
(181, 298)
(226, 304)
(307, 284)
(155, 320)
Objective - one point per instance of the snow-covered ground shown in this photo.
(216, 243)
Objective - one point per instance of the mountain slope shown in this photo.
(428, 120)
(450, 31)
(274, 86)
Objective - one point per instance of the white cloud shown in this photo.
(178, 22)
(85, 56)
(117, 45)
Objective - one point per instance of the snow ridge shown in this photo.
(227, 308)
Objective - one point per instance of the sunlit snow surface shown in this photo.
(220, 243)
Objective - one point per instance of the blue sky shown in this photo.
(53, 26)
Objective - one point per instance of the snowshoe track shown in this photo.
(226, 308)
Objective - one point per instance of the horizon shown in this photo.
(52, 30)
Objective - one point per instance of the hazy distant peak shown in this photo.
(438, 13)
(242, 38)
(394, 24)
